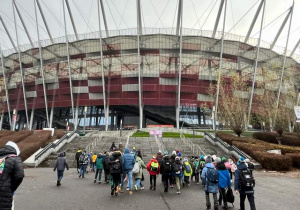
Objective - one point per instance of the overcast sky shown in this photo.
(121, 14)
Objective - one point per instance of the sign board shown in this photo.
(155, 132)
(297, 113)
(160, 126)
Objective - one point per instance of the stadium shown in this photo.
(135, 77)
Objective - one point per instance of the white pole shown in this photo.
(106, 113)
(41, 65)
(220, 65)
(256, 64)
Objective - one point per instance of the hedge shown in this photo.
(268, 161)
(33, 143)
(295, 158)
(59, 133)
(287, 138)
(16, 137)
(6, 133)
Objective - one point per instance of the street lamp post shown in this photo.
(121, 127)
(84, 120)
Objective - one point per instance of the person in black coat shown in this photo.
(12, 174)
(60, 165)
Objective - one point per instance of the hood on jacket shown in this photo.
(126, 150)
(116, 154)
(15, 146)
(99, 156)
(166, 157)
(153, 160)
(242, 166)
(61, 154)
(209, 165)
(7, 150)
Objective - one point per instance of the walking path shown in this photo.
(39, 191)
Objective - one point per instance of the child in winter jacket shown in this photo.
(154, 168)
(224, 181)
(60, 165)
(207, 173)
(178, 173)
(188, 171)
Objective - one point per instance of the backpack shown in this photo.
(154, 167)
(246, 179)
(167, 166)
(229, 196)
(197, 166)
(2, 163)
(212, 175)
(177, 169)
(202, 164)
(187, 168)
(106, 163)
(81, 159)
(136, 168)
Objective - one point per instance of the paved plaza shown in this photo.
(39, 191)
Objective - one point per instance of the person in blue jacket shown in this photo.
(224, 181)
(209, 187)
(128, 162)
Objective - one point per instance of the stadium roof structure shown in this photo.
(139, 52)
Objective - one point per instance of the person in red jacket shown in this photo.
(154, 168)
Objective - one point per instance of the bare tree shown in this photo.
(233, 102)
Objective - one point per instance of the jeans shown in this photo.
(178, 182)
(139, 183)
(100, 173)
(82, 170)
(60, 175)
(250, 199)
(129, 173)
(216, 204)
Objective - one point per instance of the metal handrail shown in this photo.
(54, 145)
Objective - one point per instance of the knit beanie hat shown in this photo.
(223, 159)
(185, 159)
(208, 159)
(166, 152)
(174, 153)
(218, 160)
(201, 157)
(177, 158)
(179, 154)
(242, 159)
(154, 157)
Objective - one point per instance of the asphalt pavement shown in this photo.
(39, 191)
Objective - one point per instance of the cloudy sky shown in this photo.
(121, 14)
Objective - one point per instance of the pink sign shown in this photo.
(155, 132)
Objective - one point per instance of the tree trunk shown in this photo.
(279, 140)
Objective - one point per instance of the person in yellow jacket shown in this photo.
(94, 157)
(187, 171)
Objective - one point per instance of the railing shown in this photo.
(196, 149)
(91, 147)
(54, 145)
(159, 144)
(226, 145)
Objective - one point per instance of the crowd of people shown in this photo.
(215, 174)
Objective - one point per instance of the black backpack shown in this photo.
(81, 159)
(229, 196)
(177, 168)
(246, 179)
(167, 166)
(212, 175)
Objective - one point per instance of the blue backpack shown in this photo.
(212, 175)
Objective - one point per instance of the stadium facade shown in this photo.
(137, 76)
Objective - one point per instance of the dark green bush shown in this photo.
(296, 159)
(287, 138)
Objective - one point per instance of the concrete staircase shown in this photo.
(70, 150)
(208, 148)
(148, 146)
